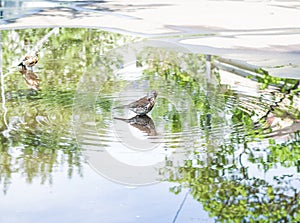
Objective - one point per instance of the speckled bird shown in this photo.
(143, 105)
(30, 60)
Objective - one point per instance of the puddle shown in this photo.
(226, 135)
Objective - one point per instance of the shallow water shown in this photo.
(217, 146)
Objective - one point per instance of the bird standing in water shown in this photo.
(30, 60)
(143, 105)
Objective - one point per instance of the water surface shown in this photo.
(218, 145)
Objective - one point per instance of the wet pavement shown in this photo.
(263, 33)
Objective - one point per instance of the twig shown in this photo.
(181, 205)
(277, 103)
(44, 39)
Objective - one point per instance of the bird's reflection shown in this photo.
(142, 122)
(31, 79)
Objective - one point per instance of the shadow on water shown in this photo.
(227, 133)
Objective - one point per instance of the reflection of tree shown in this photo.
(238, 198)
(229, 194)
(37, 139)
(187, 72)
(218, 173)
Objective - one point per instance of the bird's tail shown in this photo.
(122, 119)
(122, 106)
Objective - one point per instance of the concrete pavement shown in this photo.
(260, 32)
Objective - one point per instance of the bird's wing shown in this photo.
(142, 102)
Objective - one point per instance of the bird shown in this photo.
(31, 79)
(143, 105)
(142, 122)
(30, 60)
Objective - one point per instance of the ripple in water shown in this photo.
(192, 117)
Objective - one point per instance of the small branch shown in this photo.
(181, 205)
(44, 39)
(277, 103)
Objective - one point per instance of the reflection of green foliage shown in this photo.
(182, 68)
(187, 71)
(220, 182)
(266, 80)
(237, 198)
(40, 140)
(38, 137)
(286, 153)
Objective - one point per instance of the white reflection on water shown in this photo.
(93, 199)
